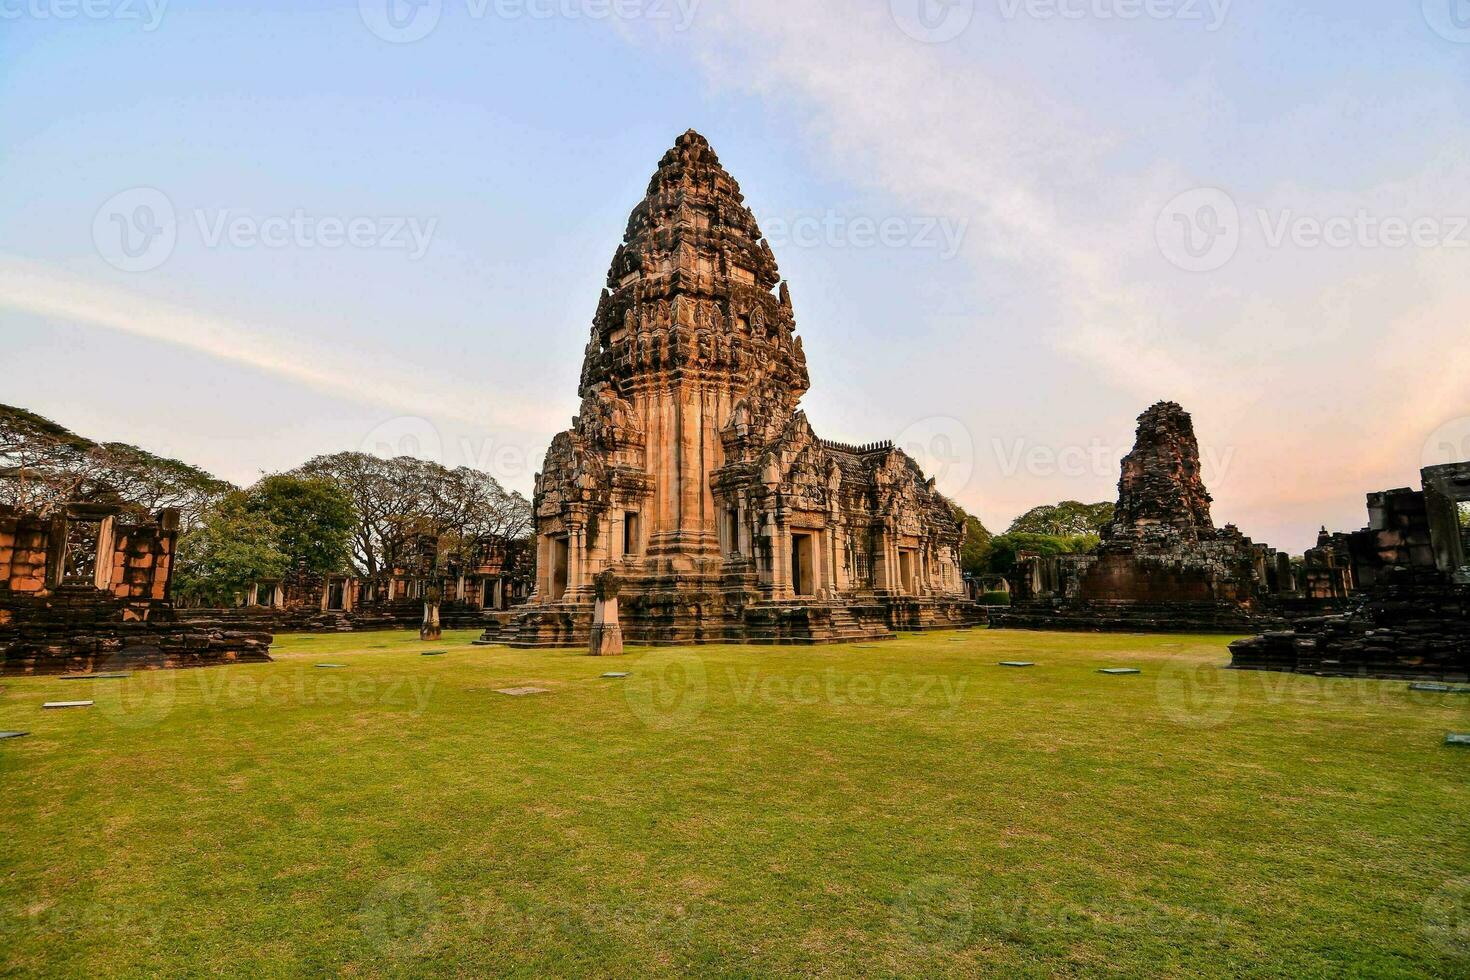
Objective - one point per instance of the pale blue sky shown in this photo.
(1316, 373)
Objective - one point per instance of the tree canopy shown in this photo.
(1066, 519)
(313, 518)
(1005, 547)
(975, 552)
(230, 548)
(44, 465)
(395, 500)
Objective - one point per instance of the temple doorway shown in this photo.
(803, 564)
(906, 572)
(560, 559)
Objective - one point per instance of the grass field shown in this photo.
(906, 807)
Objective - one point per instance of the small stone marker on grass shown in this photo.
(332, 666)
(5, 735)
(1017, 663)
(68, 704)
(434, 653)
(607, 631)
(615, 674)
(520, 692)
(93, 677)
(1120, 670)
(1457, 738)
(1440, 688)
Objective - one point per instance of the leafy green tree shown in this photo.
(313, 518)
(1066, 519)
(394, 500)
(230, 548)
(44, 465)
(975, 552)
(1005, 547)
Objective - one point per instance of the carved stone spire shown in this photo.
(693, 264)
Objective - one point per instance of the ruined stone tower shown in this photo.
(1161, 493)
(690, 471)
(1162, 564)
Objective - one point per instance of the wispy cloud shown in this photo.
(29, 287)
(1331, 366)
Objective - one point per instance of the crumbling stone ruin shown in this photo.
(480, 591)
(1162, 566)
(691, 472)
(86, 588)
(1408, 573)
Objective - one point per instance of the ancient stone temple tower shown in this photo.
(690, 472)
(1161, 493)
(1162, 564)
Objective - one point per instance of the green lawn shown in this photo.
(903, 808)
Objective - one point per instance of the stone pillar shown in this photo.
(541, 589)
(1285, 574)
(576, 554)
(430, 629)
(607, 632)
(781, 560)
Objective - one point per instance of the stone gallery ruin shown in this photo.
(88, 589)
(1391, 600)
(691, 472)
(1163, 565)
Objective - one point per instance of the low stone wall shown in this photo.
(81, 633)
(87, 588)
(1101, 616)
(1414, 624)
(405, 614)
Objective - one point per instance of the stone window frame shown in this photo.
(1446, 492)
(105, 517)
